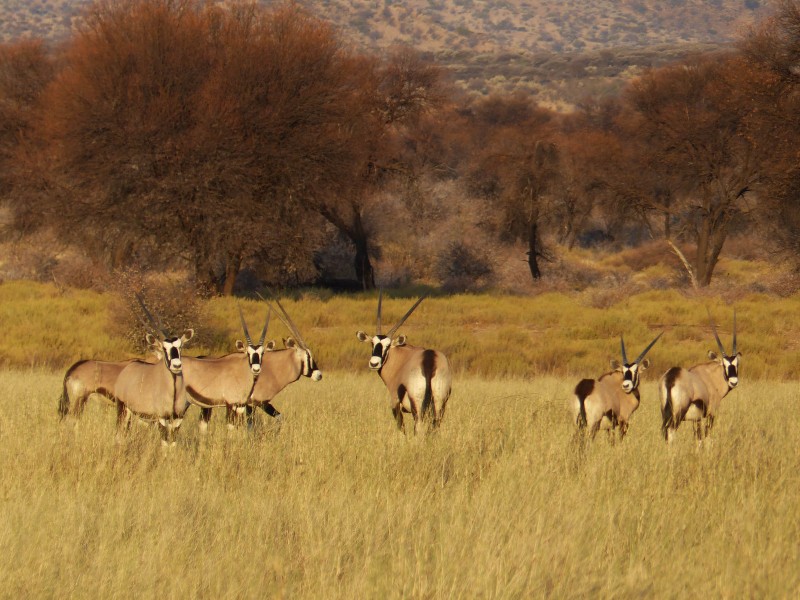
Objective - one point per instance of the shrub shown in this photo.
(172, 301)
(464, 268)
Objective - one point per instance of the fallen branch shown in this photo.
(685, 262)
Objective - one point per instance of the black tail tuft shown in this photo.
(63, 401)
(428, 370)
(666, 410)
(582, 391)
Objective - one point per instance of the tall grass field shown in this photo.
(499, 503)
(339, 504)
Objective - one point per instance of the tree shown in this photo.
(697, 120)
(205, 130)
(26, 68)
(385, 106)
(773, 49)
(516, 163)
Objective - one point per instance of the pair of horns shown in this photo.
(247, 333)
(642, 355)
(156, 327)
(402, 320)
(285, 318)
(716, 335)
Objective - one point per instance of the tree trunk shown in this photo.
(232, 268)
(364, 272)
(710, 240)
(205, 274)
(533, 250)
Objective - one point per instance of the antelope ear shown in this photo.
(738, 355)
(400, 341)
(187, 335)
(615, 364)
(290, 343)
(362, 337)
(644, 365)
(270, 346)
(151, 339)
(239, 346)
(712, 355)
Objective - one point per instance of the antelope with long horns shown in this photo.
(609, 401)
(87, 377)
(155, 391)
(696, 393)
(226, 380)
(418, 379)
(282, 367)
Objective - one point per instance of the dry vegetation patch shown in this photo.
(545, 333)
(340, 505)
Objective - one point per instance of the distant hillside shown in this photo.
(584, 46)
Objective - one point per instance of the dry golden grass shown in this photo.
(498, 504)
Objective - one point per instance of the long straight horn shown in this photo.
(286, 319)
(380, 301)
(716, 335)
(405, 316)
(622, 344)
(153, 324)
(266, 326)
(734, 332)
(646, 350)
(244, 326)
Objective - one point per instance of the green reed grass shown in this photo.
(338, 504)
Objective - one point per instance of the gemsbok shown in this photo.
(155, 391)
(696, 393)
(226, 380)
(87, 377)
(609, 401)
(282, 367)
(418, 379)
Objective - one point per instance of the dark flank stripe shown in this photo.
(201, 398)
(401, 392)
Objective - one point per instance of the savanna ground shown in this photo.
(499, 503)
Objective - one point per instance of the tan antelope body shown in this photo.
(696, 393)
(418, 379)
(282, 367)
(226, 380)
(609, 401)
(155, 390)
(87, 377)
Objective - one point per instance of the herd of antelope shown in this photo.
(418, 381)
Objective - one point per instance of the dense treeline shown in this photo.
(175, 134)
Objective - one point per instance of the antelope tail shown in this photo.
(666, 410)
(428, 370)
(63, 401)
(582, 391)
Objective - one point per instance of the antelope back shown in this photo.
(216, 381)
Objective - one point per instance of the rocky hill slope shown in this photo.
(562, 50)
